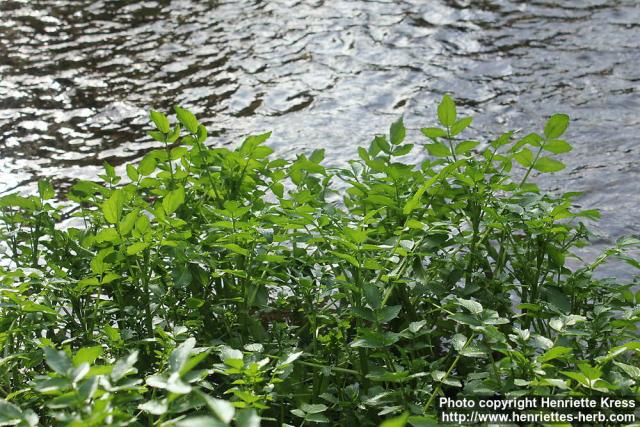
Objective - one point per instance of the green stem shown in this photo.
(446, 375)
(526, 175)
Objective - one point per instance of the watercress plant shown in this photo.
(217, 286)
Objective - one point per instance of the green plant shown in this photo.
(356, 294)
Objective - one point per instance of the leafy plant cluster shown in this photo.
(227, 287)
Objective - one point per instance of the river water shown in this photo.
(78, 77)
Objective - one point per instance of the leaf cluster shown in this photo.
(214, 286)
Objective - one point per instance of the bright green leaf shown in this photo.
(556, 125)
(447, 111)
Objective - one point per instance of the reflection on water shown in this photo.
(77, 78)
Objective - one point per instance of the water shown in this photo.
(78, 77)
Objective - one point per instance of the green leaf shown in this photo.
(11, 415)
(173, 200)
(416, 326)
(112, 334)
(194, 303)
(554, 353)
(198, 421)
(399, 421)
(129, 221)
(556, 125)
(415, 199)
(555, 382)
(397, 132)
(433, 133)
(591, 372)
(316, 418)
(356, 236)
(313, 408)
(107, 235)
(108, 278)
(317, 155)
(503, 139)
(222, 409)
(473, 306)
(147, 165)
(136, 248)
(232, 357)
(375, 340)
(247, 418)
(202, 134)
(88, 282)
(32, 307)
(576, 376)
(632, 371)
(438, 149)
(45, 190)
(532, 139)
(187, 119)
(557, 297)
(180, 355)
(292, 357)
(372, 295)
(132, 172)
(155, 407)
(386, 314)
(557, 146)
(142, 223)
(350, 258)
(298, 413)
(547, 164)
(465, 319)
(112, 208)
(87, 355)
(177, 152)
(157, 135)
(524, 157)
(543, 342)
(88, 388)
(465, 146)
(447, 111)
(175, 134)
(460, 125)
(458, 341)
(251, 144)
(473, 350)
(379, 200)
(402, 150)
(160, 120)
(233, 247)
(387, 376)
(124, 366)
(57, 360)
(364, 313)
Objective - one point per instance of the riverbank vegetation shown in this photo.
(215, 286)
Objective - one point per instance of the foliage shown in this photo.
(226, 287)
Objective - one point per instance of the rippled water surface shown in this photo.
(77, 78)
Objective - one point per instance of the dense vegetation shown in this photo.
(227, 287)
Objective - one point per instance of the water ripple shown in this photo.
(76, 79)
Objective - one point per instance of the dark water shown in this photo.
(77, 79)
